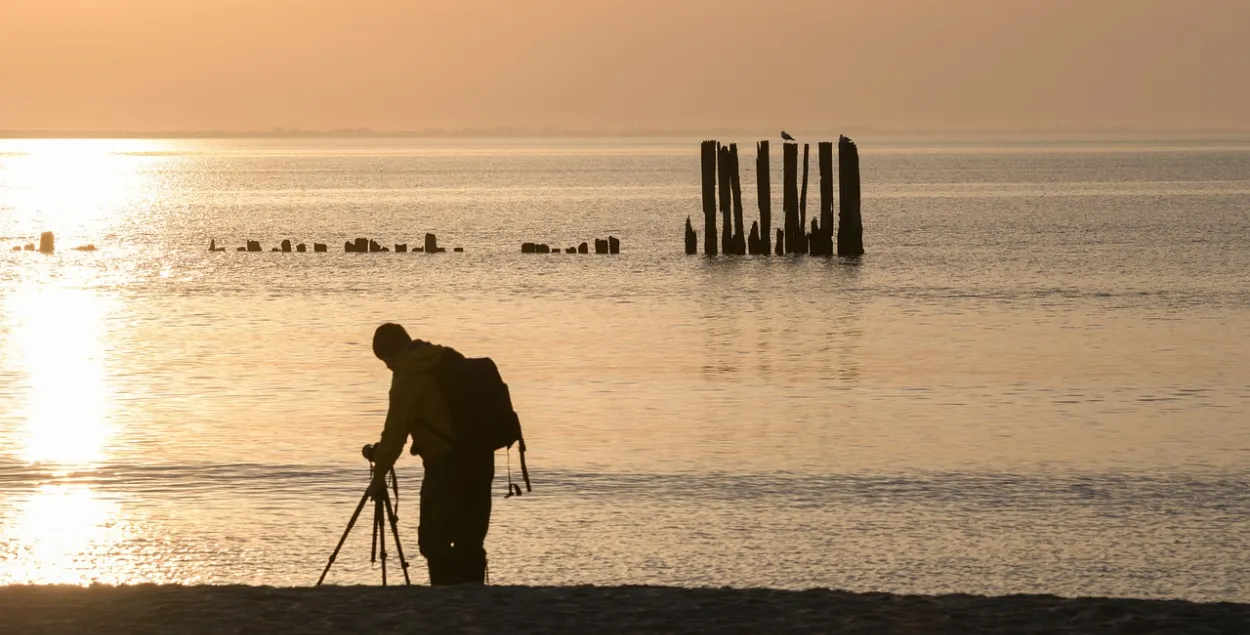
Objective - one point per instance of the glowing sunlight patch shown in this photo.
(60, 352)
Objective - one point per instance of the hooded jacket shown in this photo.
(416, 407)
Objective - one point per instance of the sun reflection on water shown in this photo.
(57, 337)
(63, 534)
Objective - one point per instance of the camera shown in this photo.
(368, 452)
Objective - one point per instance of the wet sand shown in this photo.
(584, 609)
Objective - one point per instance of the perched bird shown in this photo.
(786, 136)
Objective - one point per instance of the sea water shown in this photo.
(1037, 380)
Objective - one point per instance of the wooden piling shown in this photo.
(850, 225)
(601, 246)
(708, 149)
(753, 241)
(286, 246)
(374, 247)
(253, 245)
(614, 245)
(692, 240)
(765, 194)
(723, 190)
(803, 240)
(790, 195)
(781, 241)
(735, 185)
(584, 248)
(301, 248)
(529, 248)
(47, 243)
(319, 247)
(401, 248)
(825, 242)
(360, 245)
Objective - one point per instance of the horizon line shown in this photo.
(517, 132)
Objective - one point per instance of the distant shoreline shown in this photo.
(623, 609)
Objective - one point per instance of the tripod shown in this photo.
(381, 504)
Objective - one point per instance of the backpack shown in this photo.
(481, 408)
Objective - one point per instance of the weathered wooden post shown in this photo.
(319, 247)
(401, 248)
(601, 246)
(614, 245)
(47, 243)
(361, 245)
(709, 198)
(584, 248)
(286, 246)
(850, 226)
(374, 247)
(431, 244)
(253, 245)
(825, 150)
(790, 195)
(802, 237)
(301, 248)
(692, 240)
(529, 248)
(735, 184)
(753, 241)
(723, 182)
(765, 194)
(781, 241)
(212, 244)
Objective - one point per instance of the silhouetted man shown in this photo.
(455, 490)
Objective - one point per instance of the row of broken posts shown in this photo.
(359, 245)
(720, 168)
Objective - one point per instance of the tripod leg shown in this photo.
(377, 516)
(380, 529)
(350, 523)
(403, 562)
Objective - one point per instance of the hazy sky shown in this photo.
(617, 64)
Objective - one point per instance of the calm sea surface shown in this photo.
(1037, 380)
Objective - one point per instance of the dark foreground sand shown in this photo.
(238, 609)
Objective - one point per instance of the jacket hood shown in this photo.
(419, 357)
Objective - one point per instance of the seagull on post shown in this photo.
(786, 136)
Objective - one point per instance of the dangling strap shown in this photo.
(525, 473)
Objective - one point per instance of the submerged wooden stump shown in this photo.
(822, 240)
(570, 250)
(583, 248)
(401, 248)
(431, 244)
(542, 249)
(709, 152)
(458, 250)
(374, 247)
(301, 248)
(528, 248)
(319, 247)
(286, 246)
(780, 247)
(753, 241)
(241, 249)
(253, 245)
(765, 194)
(850, 225)
(601, 246)
(47, 243)
(614, 245)
(692, 239)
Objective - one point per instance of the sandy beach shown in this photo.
(584, 609)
